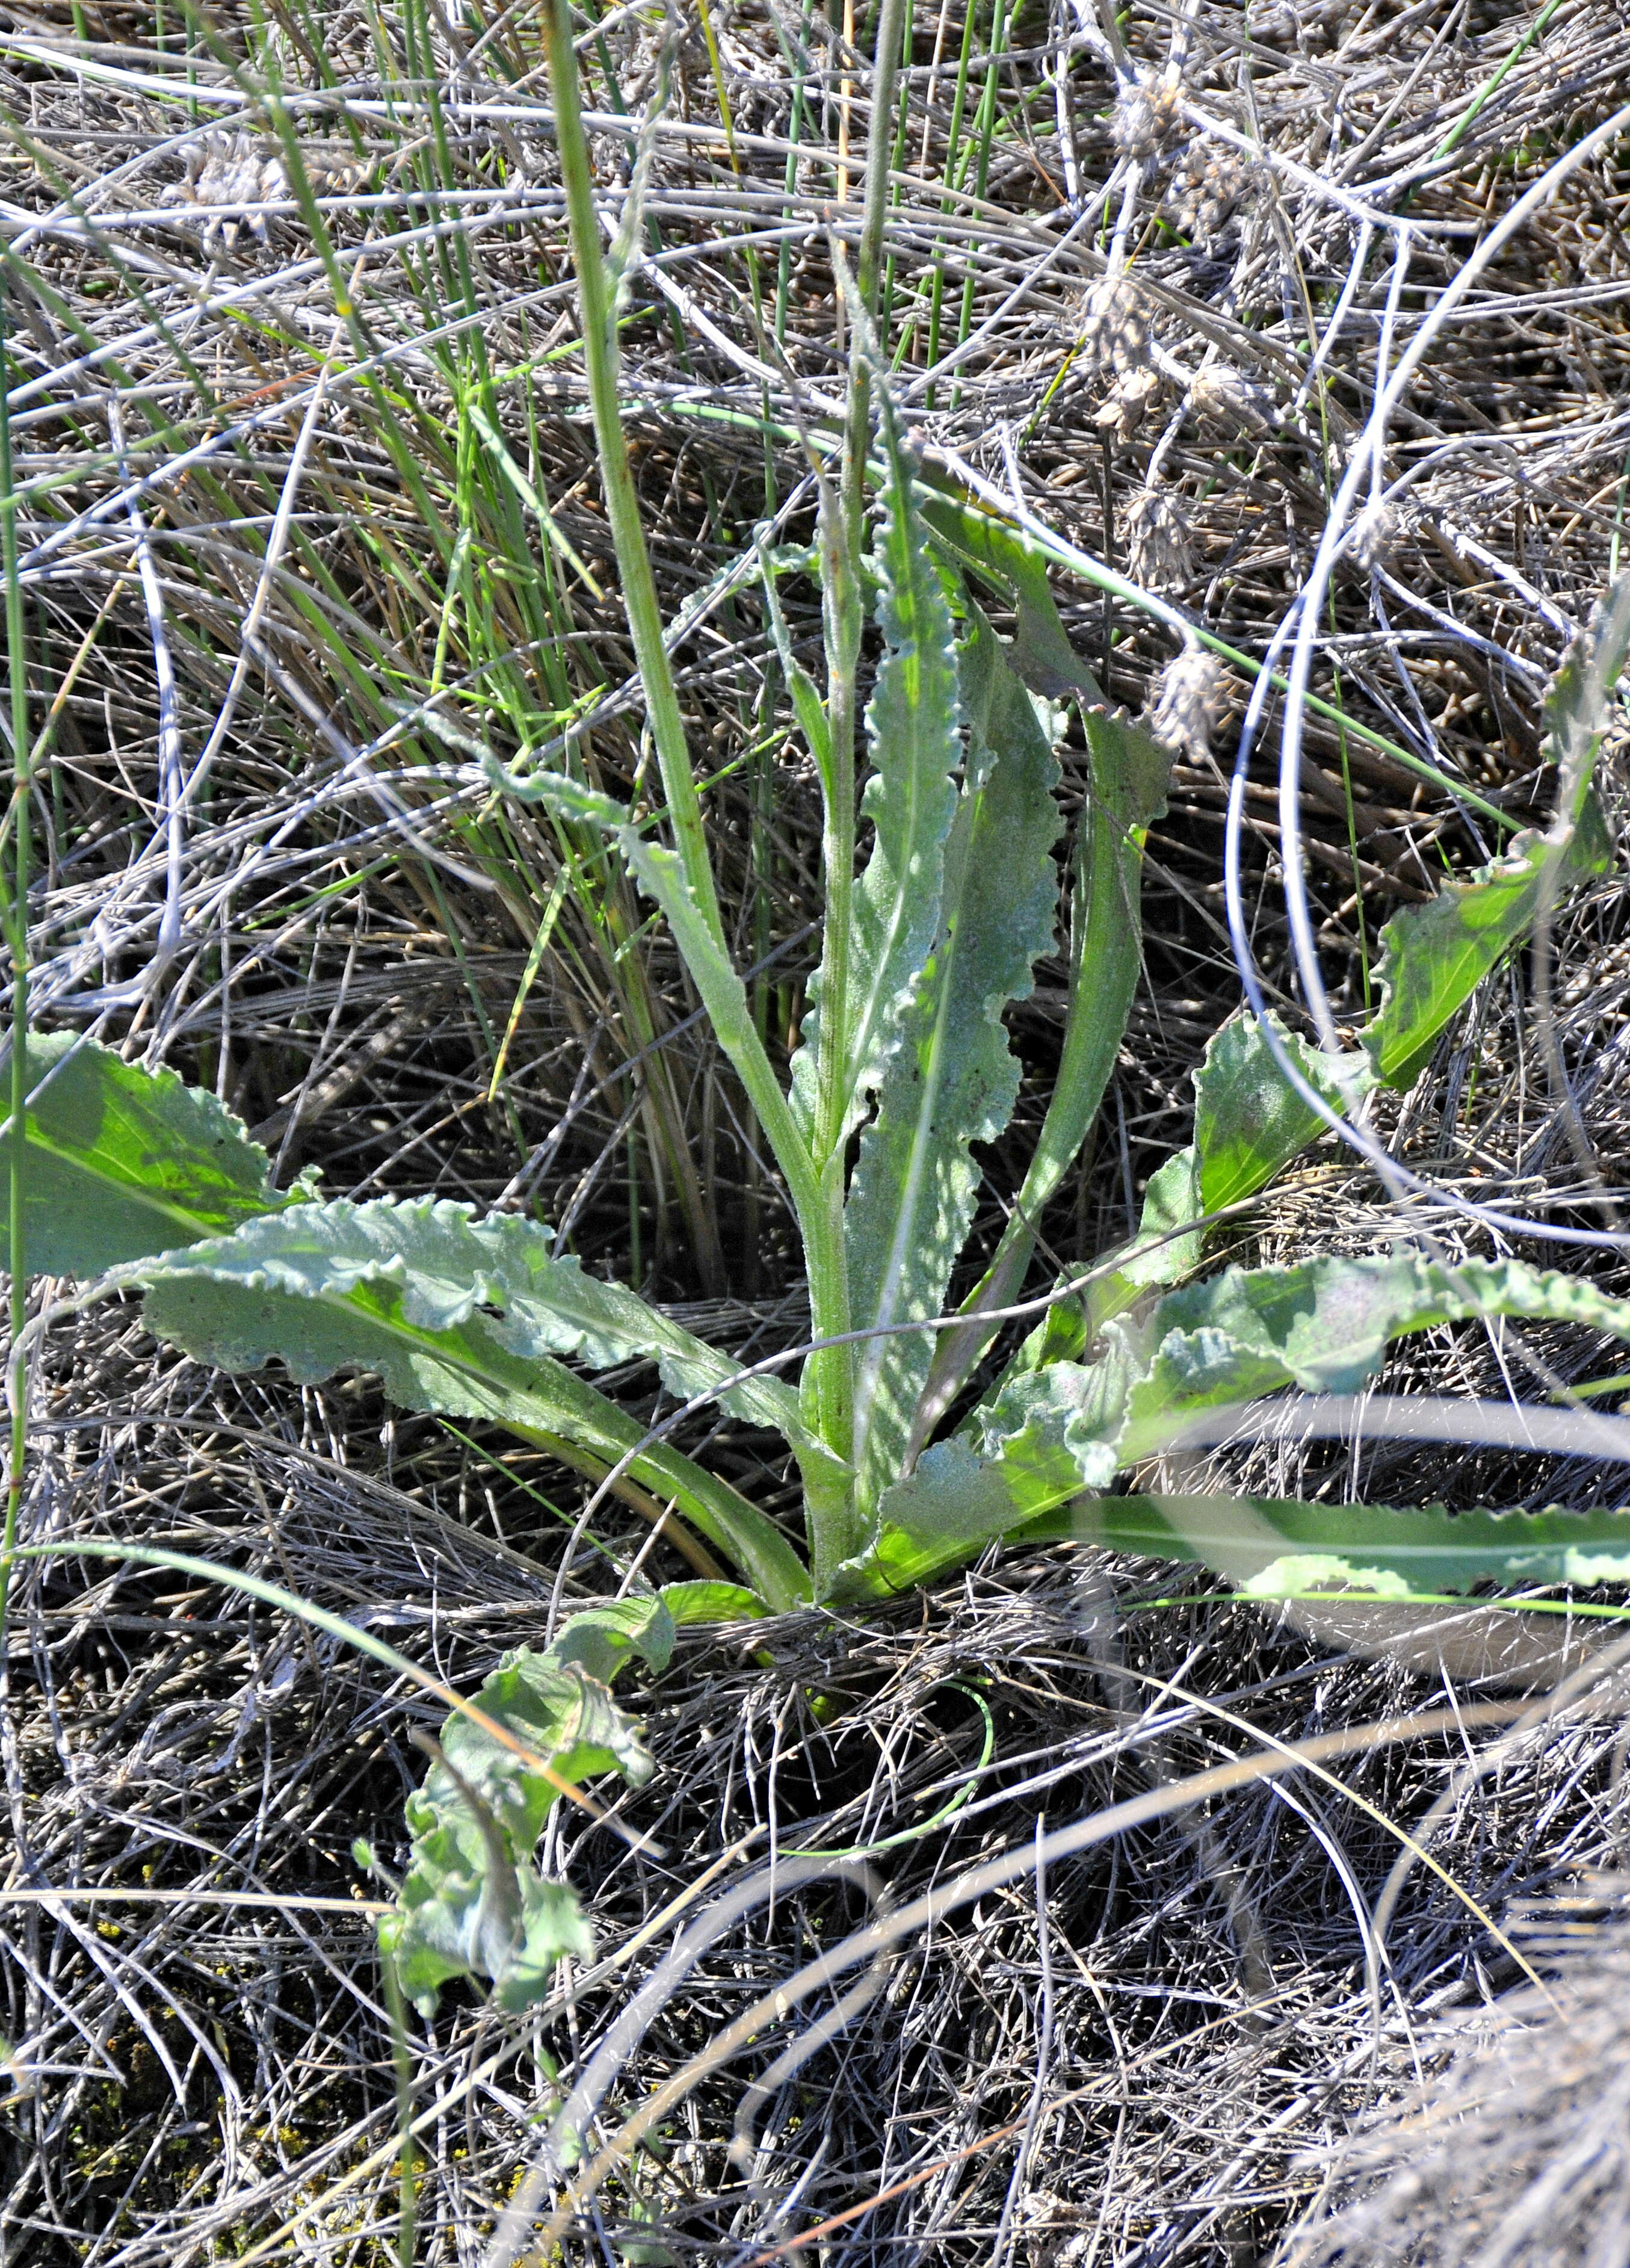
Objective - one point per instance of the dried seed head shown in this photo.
(1188, 704)
(228, 169)
(1115, 334)
(1377, 534)
(1159, 554)
(1146, 116)
(1206, 186)
(1122, 408)
(1221, 398)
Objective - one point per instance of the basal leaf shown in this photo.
(1276, 1547)
(1435, 956)
(914, 729)
(121, 1162)
(466, 1317)
(1249, 1124)
(1052, 1435)
(690, 1603)
(1324, 1325)
(1129, 777)
(472, 1903)
(953, 1079)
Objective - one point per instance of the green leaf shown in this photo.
(953, 1079)
(1129, 778)
(1324, 1325)
(121, 1162)
(1248, 1123)
(1009, 564)
(465, 1317)
(1437, 954)
(601, 1640)
(700, 1603)
(1050, 1435)
(913, 727)
(472, 1903)
(1276, 1547)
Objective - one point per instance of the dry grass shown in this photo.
(309, 520)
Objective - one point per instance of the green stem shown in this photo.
(597, 317)
(17, 922)
(402, 2057)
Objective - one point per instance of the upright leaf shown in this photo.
(953, 1079)
(1008, 563)
(913, 729)
(468, 1317)
(1248, 1123)
(1129, 777)
(122, 1161)
(1436, 956)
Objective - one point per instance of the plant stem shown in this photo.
(597, 315)
(17, 923)
(401, 2056)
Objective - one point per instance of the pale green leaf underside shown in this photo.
(1324, 1326)
(466, 1317)
(121, 1162)
(953, 1079)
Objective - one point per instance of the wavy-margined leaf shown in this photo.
(914, 728)
(1052, 1433)
(1437, 954)
(466, 1317)
(1008, 563)
(953, 1079)
(1276, 1547)
(1248, 1123)
(1049, 1434)
(1129, 777)
(120, 1161)
(472, 1903)
(1324, 1325)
